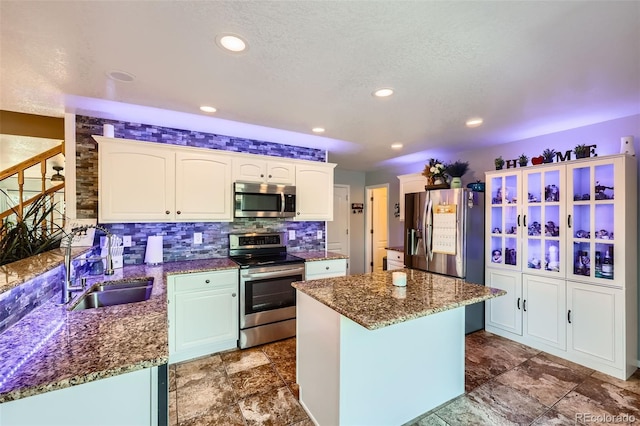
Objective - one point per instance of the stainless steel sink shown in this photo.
(116, 293)
(119, 285)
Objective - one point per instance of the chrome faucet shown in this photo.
(67, 285)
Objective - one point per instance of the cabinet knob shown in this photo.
(326, 267)
(261, 175)
(233, 295)
(207, 281)
(167, 212)
(178, 212)
(298, 213)
(270, 176)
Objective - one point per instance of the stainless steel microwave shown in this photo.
(264, 200)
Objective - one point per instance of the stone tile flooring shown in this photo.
(506, 384)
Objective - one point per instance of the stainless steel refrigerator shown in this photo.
(444, 234)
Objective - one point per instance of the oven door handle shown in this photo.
(275, 274)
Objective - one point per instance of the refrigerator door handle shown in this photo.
(428, 222)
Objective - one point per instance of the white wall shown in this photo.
(356, 181)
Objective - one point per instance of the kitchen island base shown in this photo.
(349, 375)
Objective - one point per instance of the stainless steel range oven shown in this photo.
(267, 300)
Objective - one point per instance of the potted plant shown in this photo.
(548, 155)
(523, 160)
(499, 162)
(434, 171)
(582, 151)
(30, 234)
(456, 170)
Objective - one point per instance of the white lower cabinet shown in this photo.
(504, 312)
(532, 311)
(596, 327)
(203, 313)
(325, 269)
(543, 311)
(123, 400)
(395, 260)
(581, 322)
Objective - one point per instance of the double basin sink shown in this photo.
(116, 293)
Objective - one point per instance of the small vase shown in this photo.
(456, 182)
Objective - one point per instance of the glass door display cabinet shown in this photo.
(504, 219)
(542, 221)
(593, 221)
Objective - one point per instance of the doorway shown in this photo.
(338, 232)
(377, 226)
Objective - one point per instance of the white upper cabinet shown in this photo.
(136, 181)
(414, 182)
(149, 182)
(314, 191)
(247, 169)
(203, 187)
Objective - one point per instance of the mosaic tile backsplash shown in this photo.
(178, 237)
(19, 301)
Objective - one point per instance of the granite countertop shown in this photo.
(16, 273)
(312, 256)
(397, 248)
(53, 348)
(372, 301)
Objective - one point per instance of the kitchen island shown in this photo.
(371, 353)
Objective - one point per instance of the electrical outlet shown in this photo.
(126, 241)
(292, 235)
(319, 235)
(197, 238)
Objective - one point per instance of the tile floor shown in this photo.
(506, 384)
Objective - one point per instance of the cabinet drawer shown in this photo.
(338, 266)
(396, 256)
(204, 280)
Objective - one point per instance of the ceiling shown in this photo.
(526, 67)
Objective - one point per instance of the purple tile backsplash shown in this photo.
(178, 237)
(20, 300)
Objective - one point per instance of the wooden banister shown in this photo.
(18, 171)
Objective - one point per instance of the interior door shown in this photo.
(338, 228)
(379, 228)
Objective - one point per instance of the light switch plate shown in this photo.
(292, 235)
(126, 241)
(197, 238)
(319, 235)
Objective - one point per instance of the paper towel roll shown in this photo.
(108, 130)
(153, 255)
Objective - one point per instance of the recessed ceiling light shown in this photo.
(121, 76)
(206, 108)
(396, 145)
(231, 42)
(474, 122)
(383, 93)
(318, 130)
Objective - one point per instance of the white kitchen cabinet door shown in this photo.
(505, 312)
(325, 269)
(259, 170)
(203, 314)
(414, 182)
(596, 331)
(203, 187)
(126, 399)
(314, 191)
(544, 310)
(136, 182)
